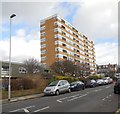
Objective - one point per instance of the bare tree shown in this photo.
(67, 67)
(64, 67)
(32, 66)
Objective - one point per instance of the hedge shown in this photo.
(68, 78)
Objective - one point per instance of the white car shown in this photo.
(106, 81)
(57, 87)
(100, 81)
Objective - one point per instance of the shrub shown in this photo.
(27, 83)
(68, 78)
(96, 77)
(16, 84)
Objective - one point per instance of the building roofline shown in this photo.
(11, 62)
(49, 17)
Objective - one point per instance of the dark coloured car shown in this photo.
(117, 87)
(91, 83)
(77, 85)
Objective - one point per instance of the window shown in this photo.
(73, 33)
(77, 46)
(77, 41)
(63, 33)
(73, 38)
(58, 42)
(57, 30)
(43, 51)
(57, 36)
(43, 39)
(63, 27)
(42, 28)
(64, 57)
(22, 70)
(58, 49)
(43, 58)
(64, 51)
(63, 39)
(43, 45)
(76, 35)
(59, 56)
(64, 44)
(43, 34)
(56, 23)
(62, 21)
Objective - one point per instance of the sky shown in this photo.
(97, 19)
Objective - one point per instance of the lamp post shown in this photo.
(9, 85)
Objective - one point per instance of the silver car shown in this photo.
(57, 87)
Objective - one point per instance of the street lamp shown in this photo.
(9, 85)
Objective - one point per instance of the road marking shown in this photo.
(98, 90)
(42, 109)
(107, 97)
(22, 108)
(108, 87)
(103, 99)
(59, 100)
(26, 110)
(88, 92)
(77, 97)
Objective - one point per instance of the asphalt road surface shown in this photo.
(99, 99)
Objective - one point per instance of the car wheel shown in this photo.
(115, 92)
(83, 88)
(57, 92)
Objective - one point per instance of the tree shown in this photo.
(67, 67)
(32, 66)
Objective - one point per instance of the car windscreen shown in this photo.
(53, 83)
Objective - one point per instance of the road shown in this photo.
(99, 99)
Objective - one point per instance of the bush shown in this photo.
(68, 78)
(96, 77)
(27, 83)
(16, 84)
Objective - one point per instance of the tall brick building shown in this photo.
(61, 40)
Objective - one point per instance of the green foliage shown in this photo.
(68, 78)
(96, 77)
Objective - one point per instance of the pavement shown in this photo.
(15, 99)
(99, 99)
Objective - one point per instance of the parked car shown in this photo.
(77, 85)
(57, 87)
(100, 82)
(106, 81)
(91, 83)
(110, 80)
(117, 87)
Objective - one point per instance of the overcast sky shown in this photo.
(98, 19)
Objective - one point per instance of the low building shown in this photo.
(15, 69)
(107, 70)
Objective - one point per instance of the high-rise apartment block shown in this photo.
(61, 40)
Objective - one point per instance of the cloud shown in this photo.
(28, 12)
(23, 46)
(106, 53)
(97, 18)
